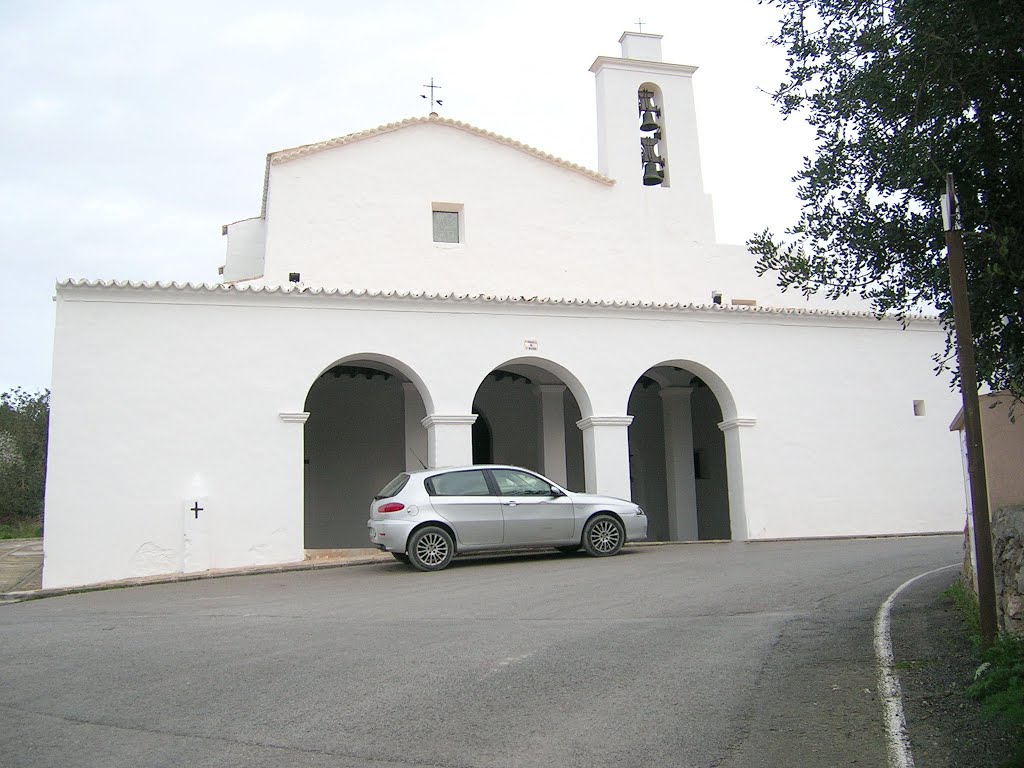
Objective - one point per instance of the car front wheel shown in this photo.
(431, 548)
(603, 535)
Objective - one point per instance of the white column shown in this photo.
(293, 517)
(552, 424)
(415, 433)
(606, 454)
(449, 439)
(680, 481)
(738, 522)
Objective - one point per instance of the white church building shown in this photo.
(582, 323)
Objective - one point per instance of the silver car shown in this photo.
(426, 518)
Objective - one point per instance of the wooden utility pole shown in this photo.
(972, 412)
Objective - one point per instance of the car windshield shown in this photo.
(393, 487)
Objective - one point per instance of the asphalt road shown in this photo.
(733, 654)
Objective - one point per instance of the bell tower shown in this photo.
(647, 122)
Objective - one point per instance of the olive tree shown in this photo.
(900, 93)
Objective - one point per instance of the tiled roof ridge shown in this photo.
(284, 155)
(470, 297)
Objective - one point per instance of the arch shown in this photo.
(555, 369)
(391, 362)
(364, 427)
(715, 383)
(533, 410)
(681, 463)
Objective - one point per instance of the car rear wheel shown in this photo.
(431, 548)
(401, 557)
(603, 535)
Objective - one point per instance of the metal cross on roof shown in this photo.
(433, 101)
(640, 24)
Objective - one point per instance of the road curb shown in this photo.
(306, 565)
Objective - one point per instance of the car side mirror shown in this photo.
(556, 493)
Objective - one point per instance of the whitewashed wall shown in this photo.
(164, 395)
(532, 228)
(355, 212)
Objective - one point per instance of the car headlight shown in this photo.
(640, 510)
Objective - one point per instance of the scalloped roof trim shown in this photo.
(284, 155)
(485, 298)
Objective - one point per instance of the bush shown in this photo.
(999, 681)
(24, 426)
(999, 684)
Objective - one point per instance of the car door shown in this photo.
(464, 499)
(533, 510)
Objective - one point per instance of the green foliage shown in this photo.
(966, 604)
(999, 681)
(24, 426)
(21, 529)
(901, 92)
(1000, 684)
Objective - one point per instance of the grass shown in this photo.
(966, 604)
(999, 682)
(21, 529)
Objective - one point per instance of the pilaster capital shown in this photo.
(604, 421)
(448, 419)
(294, 418)
(736, 423)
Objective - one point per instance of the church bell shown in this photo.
(649, 123)
(652, 176)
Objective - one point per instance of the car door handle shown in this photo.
(509, 503)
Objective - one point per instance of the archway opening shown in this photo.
(677, 456)
(529, 415)
(483, 440)
(363, 429)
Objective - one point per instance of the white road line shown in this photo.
(900, 754)
(504, 664)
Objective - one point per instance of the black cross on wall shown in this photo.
(197, 509)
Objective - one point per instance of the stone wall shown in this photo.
(1008, 563)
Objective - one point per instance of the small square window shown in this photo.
(446, 226)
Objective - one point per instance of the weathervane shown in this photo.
(433, 101)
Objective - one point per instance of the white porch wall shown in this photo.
(153, 386)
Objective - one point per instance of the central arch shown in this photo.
(528, 408)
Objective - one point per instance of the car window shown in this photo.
(467, 483)
(513, 483)
(393, 487)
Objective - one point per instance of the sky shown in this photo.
(130, 131)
